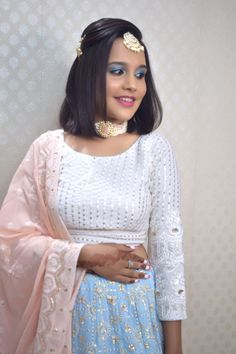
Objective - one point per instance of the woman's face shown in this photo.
(125, 82)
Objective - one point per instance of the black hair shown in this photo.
(86, 85)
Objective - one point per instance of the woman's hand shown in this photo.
(111, 262)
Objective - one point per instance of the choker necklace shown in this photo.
(107, 128)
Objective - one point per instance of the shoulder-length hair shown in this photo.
(86, 85)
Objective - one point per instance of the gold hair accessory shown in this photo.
(78, 49)
(107, 128)
(132, 43)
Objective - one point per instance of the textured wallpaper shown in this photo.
(191, 44)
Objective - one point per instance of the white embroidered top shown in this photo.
(130, 198)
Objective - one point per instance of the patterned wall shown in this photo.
(212, 282)
(191, 48)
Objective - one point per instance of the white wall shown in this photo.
(212, 279)
(192, 48)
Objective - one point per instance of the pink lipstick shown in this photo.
(126, 101)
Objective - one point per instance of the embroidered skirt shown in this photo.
(111, 317)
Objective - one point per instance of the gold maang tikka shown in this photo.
(132, 43)
(78, 49)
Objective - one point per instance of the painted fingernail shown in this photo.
(133, 247)
(136, 280)
(147, 267)
(145, 261)
(147, 276)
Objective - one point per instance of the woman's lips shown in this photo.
(125, 101)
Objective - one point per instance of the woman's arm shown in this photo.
(165, 244)
(111, 262)
(172, 337)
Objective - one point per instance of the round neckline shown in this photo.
(131, 147)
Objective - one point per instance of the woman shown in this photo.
(75, 275)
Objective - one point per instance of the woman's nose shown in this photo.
(130, 83)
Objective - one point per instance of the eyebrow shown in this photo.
(125, 64)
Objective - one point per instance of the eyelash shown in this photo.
(114, 71)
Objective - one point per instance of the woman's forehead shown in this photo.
(119, 53)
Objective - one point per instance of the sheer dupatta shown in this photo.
(38, 274)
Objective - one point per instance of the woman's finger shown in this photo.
(125, 280)
(133, 257)
(136, 274)
(129, 264)
(123, 247)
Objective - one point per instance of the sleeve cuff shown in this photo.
(171, 312)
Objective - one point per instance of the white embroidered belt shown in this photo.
(97, 236)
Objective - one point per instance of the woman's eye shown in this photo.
(120, 71)
(116, 71)
(140, 75)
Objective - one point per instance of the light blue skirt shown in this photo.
(110, 317)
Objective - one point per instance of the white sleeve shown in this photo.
(165, 236)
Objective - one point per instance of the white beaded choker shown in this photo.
(107, 128)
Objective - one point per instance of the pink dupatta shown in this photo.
(39, 279)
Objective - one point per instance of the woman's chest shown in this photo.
(103, 192)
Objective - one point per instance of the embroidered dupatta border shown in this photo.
(60, 285)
